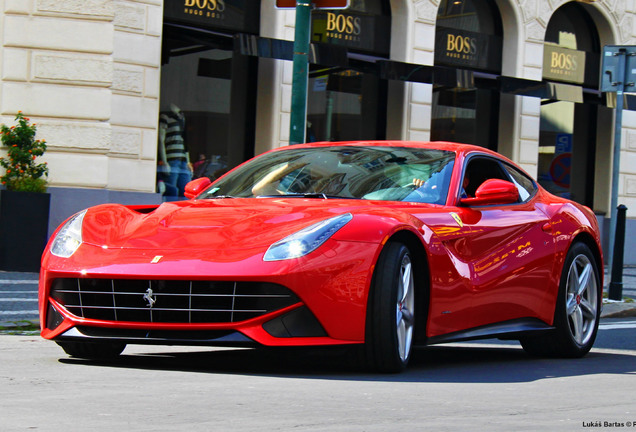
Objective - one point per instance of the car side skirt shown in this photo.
(504, 330)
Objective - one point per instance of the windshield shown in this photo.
(374, 173)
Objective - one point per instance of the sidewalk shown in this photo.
(621, 309)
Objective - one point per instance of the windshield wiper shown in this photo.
(297, 195)
(306, 195)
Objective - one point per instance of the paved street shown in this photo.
(471, 386)
(494, 387)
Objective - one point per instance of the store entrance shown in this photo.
(567, 146)
(568, 132)
(468, 36)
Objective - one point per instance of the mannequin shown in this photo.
(174, 159)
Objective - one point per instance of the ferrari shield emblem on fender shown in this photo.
(156, 259)
(457, 219)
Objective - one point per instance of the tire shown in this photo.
(391, 311)
(94, 351)
(577, 311)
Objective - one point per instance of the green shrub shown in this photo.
(22, 173)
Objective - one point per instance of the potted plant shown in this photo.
(24, 203)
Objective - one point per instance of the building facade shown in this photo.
(518, 76)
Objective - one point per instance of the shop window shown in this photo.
(363, 27)
(345, 104)
(567, 139)
(468, 35)
(213, 89)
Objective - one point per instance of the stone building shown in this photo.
(517, 76)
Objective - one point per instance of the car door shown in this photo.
(508, 247)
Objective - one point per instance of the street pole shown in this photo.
(300, 77)
(618, 125)
(616, 284)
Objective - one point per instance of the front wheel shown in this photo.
(391, 311)
(578, 308)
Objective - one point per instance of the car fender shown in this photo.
(572, 222)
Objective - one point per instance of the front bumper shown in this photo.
(326, 304)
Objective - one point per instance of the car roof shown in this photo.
(438, 145)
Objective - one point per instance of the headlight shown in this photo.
(69, 238)
(307, 240)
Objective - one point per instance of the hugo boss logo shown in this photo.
(458, 46)
(341, 26)
(206, 8)
(568, 62)
(343, 23)
(564, 64)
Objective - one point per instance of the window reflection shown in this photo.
(374, 173)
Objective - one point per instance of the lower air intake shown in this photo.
(170, 301)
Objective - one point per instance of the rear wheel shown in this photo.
(391, 311)
(89, 350)
(577, 311)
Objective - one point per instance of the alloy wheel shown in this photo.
(405, 308)
(581, 299)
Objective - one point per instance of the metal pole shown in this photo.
(620, 70)
(300, 77)
(616, 286)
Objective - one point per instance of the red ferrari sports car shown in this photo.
(382, 245)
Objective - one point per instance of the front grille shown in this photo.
(170, 301)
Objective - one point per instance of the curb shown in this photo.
(618, 310)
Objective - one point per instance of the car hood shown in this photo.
(219, 224)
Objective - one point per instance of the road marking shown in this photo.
(618, 325)
(18, 282)
(18, 292)
(17, 300)
(24, 312)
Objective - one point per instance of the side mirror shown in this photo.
(493, 191)
(195, 187)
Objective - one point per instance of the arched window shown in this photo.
(567, 140)
(208, 86)
(571, 36)
(468, 35)
(346, 104)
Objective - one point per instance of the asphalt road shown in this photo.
(486, 385)
(494, 387)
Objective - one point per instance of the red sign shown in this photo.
(560, 169)
(318, 4)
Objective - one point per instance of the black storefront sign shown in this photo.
(357, 32)
(236, 15)
(466, 49)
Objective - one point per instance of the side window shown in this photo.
(524, 184)
(478, 170)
